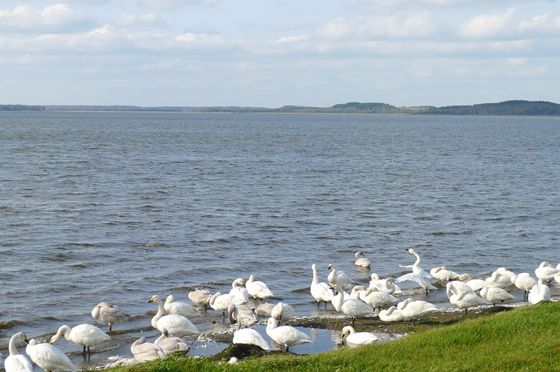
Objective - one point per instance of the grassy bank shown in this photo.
(525, 338)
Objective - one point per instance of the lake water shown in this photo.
(121, 206)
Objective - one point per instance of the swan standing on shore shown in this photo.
(378, 299)
(239, 294)
(474, 284)
(496, 294)
(415, 309)
(285, 335)
(321, 292)
(145, 351)
(251, 337)
(220, 302)
(86, 335)
(257, 289)
(352, 306)
(546, 271)
(384, 285)
(523, 281)
(539, 293)
(353, 338)
(361, 260)
(499, 280)
(49, 357)
(170, 344)
(418, 274)
(16, 362)
(392, 314)
(463, 296)
(176, 325)
(199, 297)
(107, 313)
(282, 311)
(338, 279)
(178, 307)
(242, 315)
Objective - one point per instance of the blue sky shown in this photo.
(274, 53)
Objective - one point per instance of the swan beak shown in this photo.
(26, 339)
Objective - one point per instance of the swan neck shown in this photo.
(271, 324)
(315, 276)
(12, 344)
(95, 312)
(417, 262)
(159, 314)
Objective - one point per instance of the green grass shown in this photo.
(522, 339)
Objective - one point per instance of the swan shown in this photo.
(48, 357)
(338, 279)
(239, 294)
(495, 294)
(463, 296)
(257, 289)
(86, 335)
(418, 274)
(242, 315)
(251, 337)
(145, 351)
(546, 271)
(178, 307)
(282, 311)
(107, 313)
(474, 284)
(169, 344)
(505, 272)
(220, 302)
(321, 292)
(285, 335)
(378, 299)
(392, 314)
(264, 309)
(16, 362)
(499, 280)
(361, 260)
(414, 309)
(384, 285)
(524, 281)
(557, 278)
(539, 293)
(176, 325)
(352, 306)
(353, 338)
(199, 297)
(443, 274)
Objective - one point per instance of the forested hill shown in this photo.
(502, 108)
(21, 108)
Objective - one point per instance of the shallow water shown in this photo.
(121, 206)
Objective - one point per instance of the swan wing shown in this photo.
(251, 337)
(17, 363)
(176, 325)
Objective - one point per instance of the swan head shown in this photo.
(239, 282)
(213, 298)
(464, 277)
(332, 267)
(314, 267)
(348, 330)
(410, 250)
(545, 264)
(359, 254)
(271, 323)
(155, 298)
(63, 330)
(375, 276)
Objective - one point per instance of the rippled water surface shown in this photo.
(121, 206)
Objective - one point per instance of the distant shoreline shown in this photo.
(506, 108)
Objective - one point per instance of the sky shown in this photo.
(278, 52)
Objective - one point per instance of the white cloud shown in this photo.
(174, 4)
(490, 25)
(138, 21)
(52, 18)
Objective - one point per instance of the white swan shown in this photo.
(239, 294)
(557, 278)
(392, 314)
(107, 313)
(546, 271)
(378, 299)
(16, 362)
(338, 279)
(251, 337)
(418, 274)
(352, 306)
(361, 260)
(496, 294)
(86, 335)
(242, 315)
(384, 285)
(539, 293)
(145, 351)
(474, 284)
(443, 274)
(285, 335)
(523, 281)
(264, 309)
(463, 296)
(178, 307)
(199, 297)
(499, 280)
(282, 311)
(220, 302)
(176, 325)
(169, 344)
(257, 289)
(415, 309)
(321, 292)
(49, 357)
(353, 338)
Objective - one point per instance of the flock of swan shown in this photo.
(247, 300)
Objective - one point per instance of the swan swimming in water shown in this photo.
(353, 338)
(145, 351)
(49, 357)
(539, 293)
(86, 335)
(257, 289)
(321, 292)
(285, 335)
(361, 260)
(418, 274)
(251, 337)
(17, 362)
(107, 313)
(178, 307)
(175, 325)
